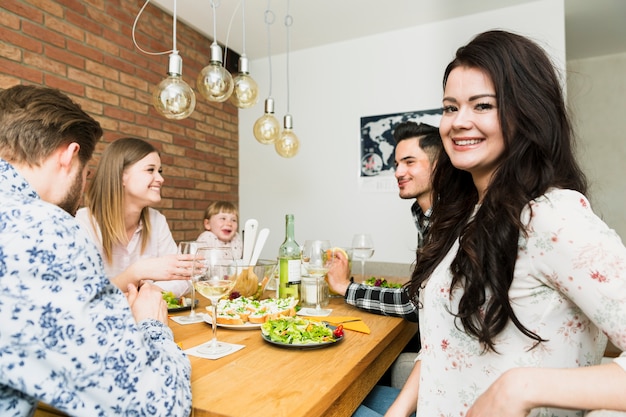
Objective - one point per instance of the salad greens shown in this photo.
(381, 282)
(174, 302)
(297, 331)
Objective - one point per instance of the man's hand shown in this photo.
(339, 273)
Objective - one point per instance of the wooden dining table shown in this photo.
(263, 379)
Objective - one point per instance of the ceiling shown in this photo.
(593, 28)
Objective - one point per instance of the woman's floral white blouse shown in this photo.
(569, 288)
(67, 335)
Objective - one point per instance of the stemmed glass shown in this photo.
(317, 260)
(362, 249)
(216, 281)
(185, 248)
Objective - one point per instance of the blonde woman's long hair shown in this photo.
(105, 194)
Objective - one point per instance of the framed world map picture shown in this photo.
(377, 155)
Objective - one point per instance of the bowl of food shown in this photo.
(252, 279)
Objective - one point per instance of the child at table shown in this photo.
(220, 227)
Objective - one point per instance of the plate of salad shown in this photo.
(381, 282)
(176, 304)
(300, 333)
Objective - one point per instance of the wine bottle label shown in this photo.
(287, 287)
(293, 274)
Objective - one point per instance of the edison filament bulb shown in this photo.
(287, 144)
(245, 90)
(266, 128)
(173, 98)
(214, 82)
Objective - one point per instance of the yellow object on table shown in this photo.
(348, 322)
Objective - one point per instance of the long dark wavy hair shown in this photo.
(538, 155)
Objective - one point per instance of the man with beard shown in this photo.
(69, 337)
(417, 148)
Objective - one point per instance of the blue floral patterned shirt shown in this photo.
(67, 335)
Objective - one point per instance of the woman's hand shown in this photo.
(146, 302)
(164, 268)
(505, 397)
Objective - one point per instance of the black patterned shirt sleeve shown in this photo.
(393, 302)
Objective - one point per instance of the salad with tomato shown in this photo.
(381, 282)
(299, 331)
(174, 302)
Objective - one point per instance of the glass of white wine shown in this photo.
(185, 248)
(362, 249)
(214, 283)
(317, 260)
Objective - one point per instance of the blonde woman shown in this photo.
(134, 239)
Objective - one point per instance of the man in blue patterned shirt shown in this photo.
(417, 148)
(69, 338)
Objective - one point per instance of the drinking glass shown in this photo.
(362, 249)
(185, 248)
(317, 259)
(216, 281)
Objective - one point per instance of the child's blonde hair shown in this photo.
(220, 207)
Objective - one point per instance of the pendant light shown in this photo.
(172, 98)
(245, 91)
(266, 129)
(287, 144)
(214, 82)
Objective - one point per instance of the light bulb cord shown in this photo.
(288, 23)
(243, 25)
(173, 50)
(214, 4)
(230, 25)
(269, 20)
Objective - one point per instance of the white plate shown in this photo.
(248, 326)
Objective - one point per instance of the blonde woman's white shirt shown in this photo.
(569, 287)
(161, 243)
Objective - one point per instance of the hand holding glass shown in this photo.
(362, 249)
(185, 248)
(317, 260)
(216, 281)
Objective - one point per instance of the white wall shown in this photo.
(331, 88)
(596, 91)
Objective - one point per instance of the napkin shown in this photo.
(185, 319)
(197, 350)
(313, 312)
(357, 326)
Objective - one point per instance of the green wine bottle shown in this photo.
(289, 262)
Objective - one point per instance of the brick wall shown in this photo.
(85, 49)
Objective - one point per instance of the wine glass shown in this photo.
(317, 260)
(216, 281)
(362, 249)
(185, 248)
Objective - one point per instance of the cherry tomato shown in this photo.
(338, 332)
